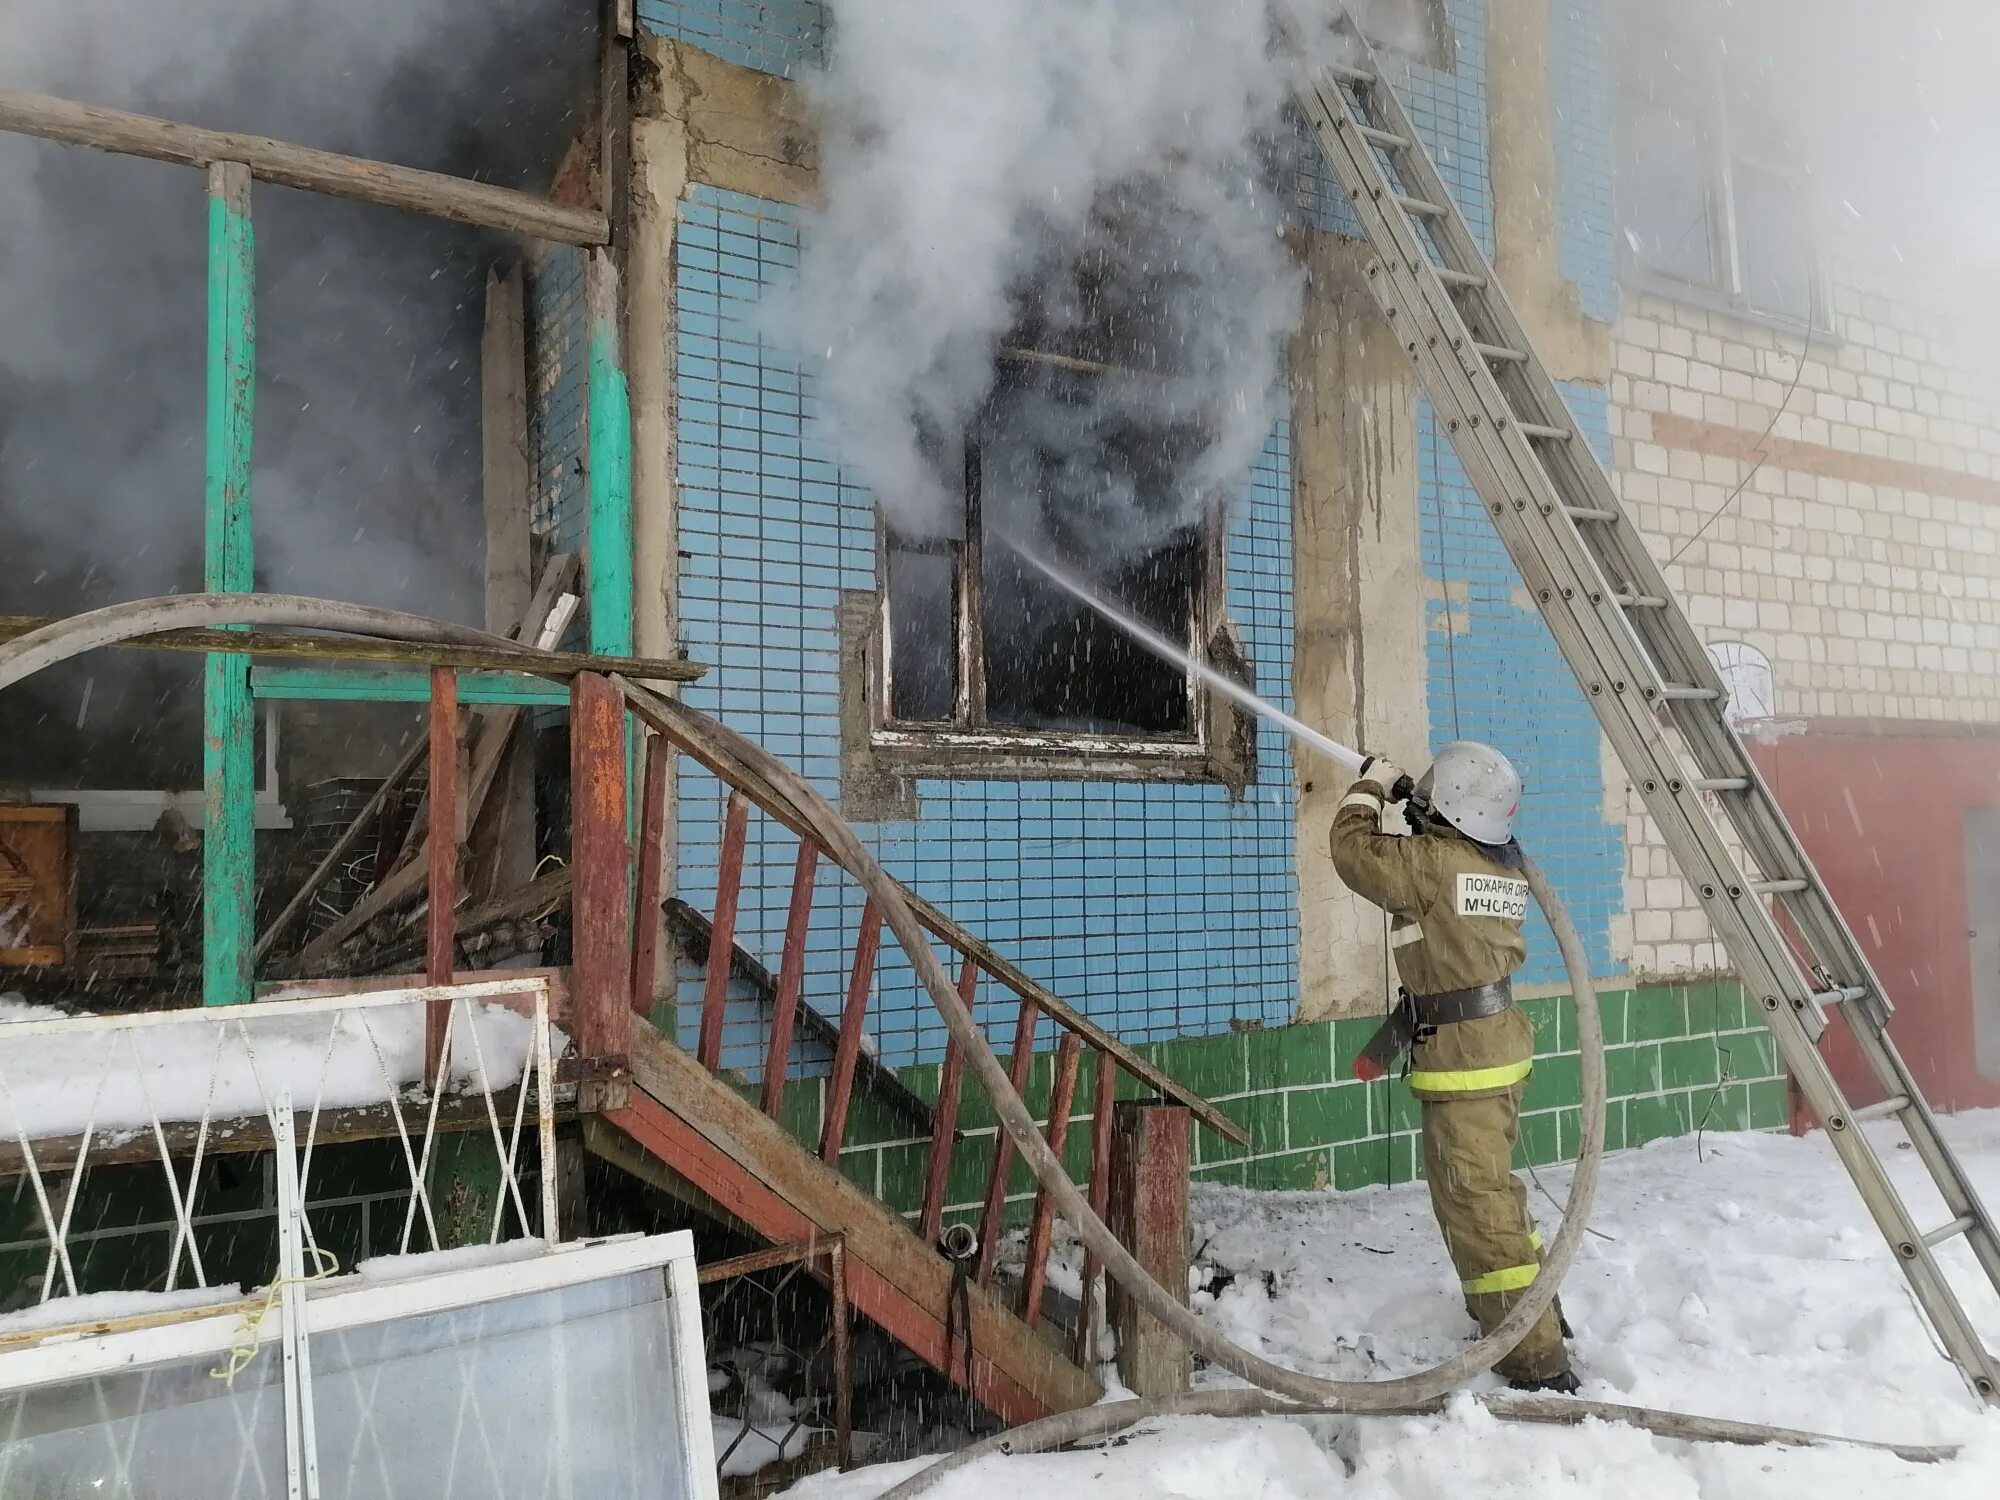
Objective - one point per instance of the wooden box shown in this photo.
(37, 885)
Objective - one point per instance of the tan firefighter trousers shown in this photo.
(1482, 1208)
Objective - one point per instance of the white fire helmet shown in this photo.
(1474, 788)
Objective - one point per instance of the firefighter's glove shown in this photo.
(1382, 775)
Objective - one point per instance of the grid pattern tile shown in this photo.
(772, 36)
(1161, 909)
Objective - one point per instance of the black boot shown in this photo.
(1565, 1384)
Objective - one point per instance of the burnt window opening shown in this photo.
(977, 637)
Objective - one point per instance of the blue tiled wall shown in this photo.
(772, 36)
(1579, 80)
(1160, 909)
(1495, 675)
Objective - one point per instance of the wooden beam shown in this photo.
(600, 1004)
(761, 1166)
(331, 648)
(229, 756)
(503, 854)
(651, 871)
(1149, 1210)
(446, 833)
(302, 167)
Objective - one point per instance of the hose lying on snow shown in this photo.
(1280, 1389)
(1093, 1423)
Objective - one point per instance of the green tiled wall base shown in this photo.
(1680, 1057)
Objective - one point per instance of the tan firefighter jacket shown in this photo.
(1455, 923)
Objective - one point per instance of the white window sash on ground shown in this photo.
(322, 1310)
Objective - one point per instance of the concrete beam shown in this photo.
(1359, 658)
(1520, 110)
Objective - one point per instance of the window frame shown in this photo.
(1720, 161)
(969, 744)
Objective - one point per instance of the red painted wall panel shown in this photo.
(1881, 810)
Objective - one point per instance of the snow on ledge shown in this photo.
(92, 1073)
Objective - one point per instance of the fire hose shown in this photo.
(1277, 1387)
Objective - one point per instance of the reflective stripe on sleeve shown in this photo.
(1470, 1080)
(1359, 798)
(1402, 937)
(1507, 1279)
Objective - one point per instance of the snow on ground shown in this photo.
(1743, 1281)
(231, 1064)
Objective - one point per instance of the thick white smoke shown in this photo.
(367, 432)
(1098, 178)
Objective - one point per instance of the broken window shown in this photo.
(979, 639)
(1708, 195)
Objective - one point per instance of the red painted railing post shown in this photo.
(991, 1220)
(1103, 1100)
(441, 918)
(848, 1050)
(600, 861)
(944, 1121)
(646, 893)
(1151, 1165)
(791, 978)
(1041, 1231)
(722, 931)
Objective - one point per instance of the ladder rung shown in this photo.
(1590, 513)
(1451, 277)
(1420, 206)
(1347, 74)
(1543, 430)
(1952, 1230)
(1501, 354)
(1676, 692)
(1387, 138)
(1722, 783)
(1895, 1104)
(1841, 995)
(1639, 601)
(1779, 887)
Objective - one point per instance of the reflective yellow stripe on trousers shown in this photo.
(1506, 1279)
(1472, 1080)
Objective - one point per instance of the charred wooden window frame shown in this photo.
(969, 746)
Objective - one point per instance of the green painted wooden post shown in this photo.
(228, 761)
(610, 467)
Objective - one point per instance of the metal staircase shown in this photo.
(1652, 685)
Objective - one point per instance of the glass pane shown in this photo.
(923, 631)
(1774, 243)
(1666, 112)
(161, 1433)
(562, 1393)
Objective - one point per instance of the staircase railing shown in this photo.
(678, 730)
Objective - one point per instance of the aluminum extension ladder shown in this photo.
(1653, 687)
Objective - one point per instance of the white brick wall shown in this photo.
(1873, 593)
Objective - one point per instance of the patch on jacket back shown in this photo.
(1492, 896)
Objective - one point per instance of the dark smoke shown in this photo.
(367, 457)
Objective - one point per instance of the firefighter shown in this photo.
(1456, 898)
